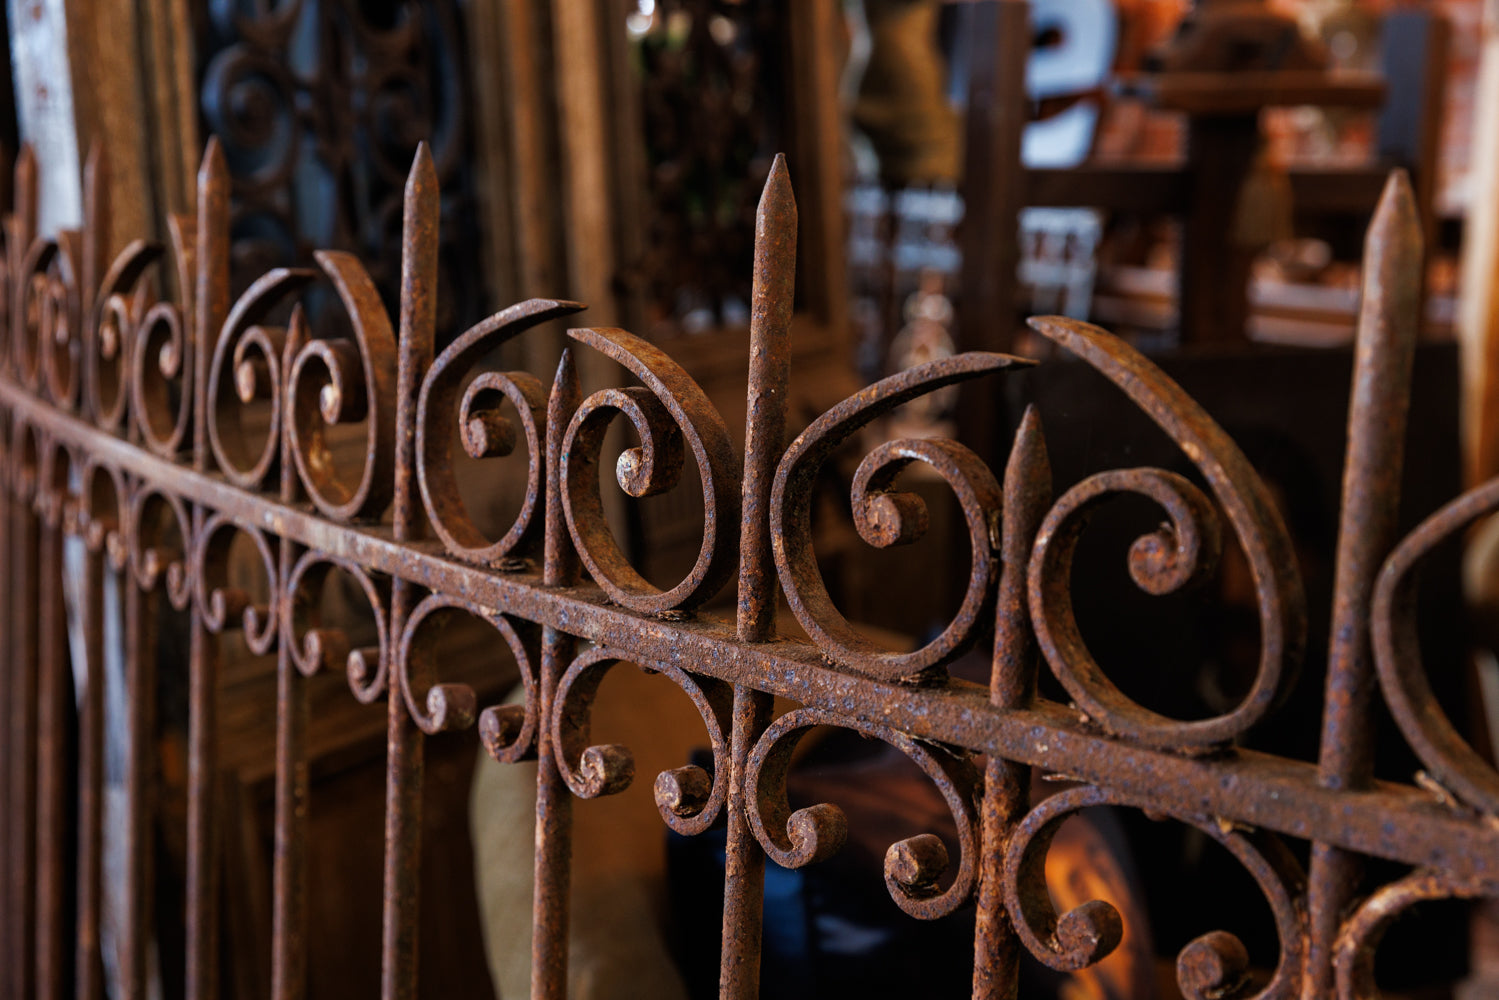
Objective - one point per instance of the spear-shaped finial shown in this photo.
(418, 319)
(1027, 495)
(769, 377)
(211, 300)
(559, 559)
(1389, 318)
(96, 216)
(25, 193)
(1388, 322)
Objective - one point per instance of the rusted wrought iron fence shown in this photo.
(123, 423)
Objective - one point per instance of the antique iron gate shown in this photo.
(123, 424)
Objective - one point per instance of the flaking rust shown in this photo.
(119, 422)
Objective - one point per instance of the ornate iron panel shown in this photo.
(124, 422)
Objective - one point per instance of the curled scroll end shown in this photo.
(226, 606)
(895, 518)
(605, 770)
(683, 792)
(365, 677)
(914, 865)
(1087, 934)
(1166, 560)
(324, 648)
(1212, 966)
(450, 707)
(817, 833)
(257, 619)
(118, 550)
(500, 730)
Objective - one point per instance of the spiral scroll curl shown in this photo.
(250, 104)
(27, 464)
(1358, 939)
(1178, 554)
(884, 517)
(222, 605)
(117, 310)
(346, 381)
(161, 399)
(914, 867)
(314, 646)
(158, 356)
(440, 707)
(1446, 755)
(23, 454)
(103, 511)
(689, 799)
(670, 408)
(158, 536)
(45, 323)
(52, 464)
(246, 367)
(475, 419)
(1211, 967)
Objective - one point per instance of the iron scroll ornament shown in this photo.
(119, 411)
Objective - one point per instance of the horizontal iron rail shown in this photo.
(1229, 785)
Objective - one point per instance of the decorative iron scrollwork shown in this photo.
(128, 418)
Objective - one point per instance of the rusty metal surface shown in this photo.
(123, 423)
(324, 101)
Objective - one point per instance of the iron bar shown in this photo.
(52, 791)
(289, 895)
(1389, 317)
(172, 451)
(551, 906)
(765, 432)
(88, 960)
(140, 786)
(22, 598)
(1012, 686)
(211, 301)
(404, 744)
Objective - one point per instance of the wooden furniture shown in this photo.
(1221, 107)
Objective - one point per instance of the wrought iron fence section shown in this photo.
(124, 423)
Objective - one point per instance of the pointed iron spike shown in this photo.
(419, 252)
(96, 235)
(418, 317)
(95, 175)
(1389, 318)
(565, 382)
(559, 561)
(1393, 252)
(25, 181)
(1027, 495)
(1029, 467)
(296, 336)
(211, 301)
(296, 328)
(775, 254)
(213, 167)
(771, 303)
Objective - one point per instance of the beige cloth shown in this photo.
(619, 948)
